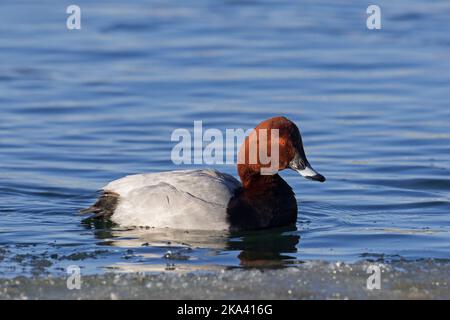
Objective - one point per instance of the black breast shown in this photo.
(266, 202)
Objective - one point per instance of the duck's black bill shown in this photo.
(317, 177)
(302, 166)
(307, 171)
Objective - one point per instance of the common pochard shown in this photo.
(211, 200)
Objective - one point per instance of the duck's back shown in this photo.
(189, 199)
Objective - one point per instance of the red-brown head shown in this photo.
(278, 140)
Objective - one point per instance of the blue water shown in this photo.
(81, 108)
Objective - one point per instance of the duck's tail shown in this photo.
(105, 205)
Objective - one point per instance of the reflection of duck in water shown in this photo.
(268, 248)
(256, 248)
(210, 200)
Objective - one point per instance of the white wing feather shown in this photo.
(190, 199)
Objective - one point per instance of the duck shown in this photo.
(207, 199)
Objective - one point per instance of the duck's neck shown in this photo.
(252, 179)
(264, 201)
